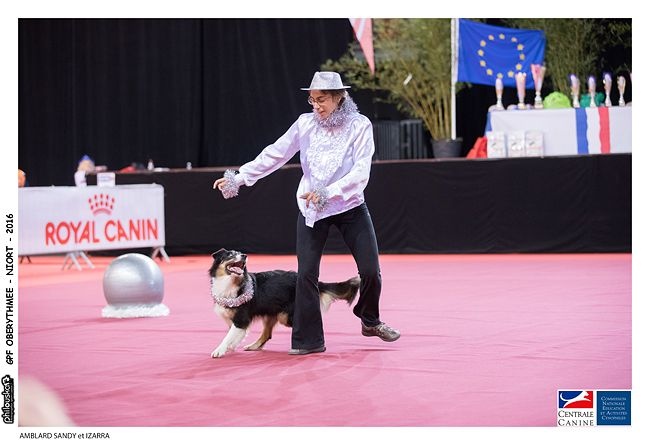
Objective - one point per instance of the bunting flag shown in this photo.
(363, 31)
(487, 52)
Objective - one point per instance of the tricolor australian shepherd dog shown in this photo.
(240, 297)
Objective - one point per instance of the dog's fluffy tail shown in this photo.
(345, 290)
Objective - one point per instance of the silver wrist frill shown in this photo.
(323, 198)
(230, 188)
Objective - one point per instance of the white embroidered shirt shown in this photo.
(334, 160)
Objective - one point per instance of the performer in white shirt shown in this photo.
(336, 147)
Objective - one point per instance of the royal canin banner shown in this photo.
(70, 219)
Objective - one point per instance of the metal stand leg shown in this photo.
(160, 250)
(86, 259)
(71, 260)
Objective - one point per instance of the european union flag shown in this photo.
(486, 52)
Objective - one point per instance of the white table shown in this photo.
(569, 131)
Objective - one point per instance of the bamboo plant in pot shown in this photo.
(413, 67)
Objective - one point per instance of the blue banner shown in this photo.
(486, 52)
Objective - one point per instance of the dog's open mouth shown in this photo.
(235, 268)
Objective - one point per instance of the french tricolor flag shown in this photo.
(593, 130)
(598, 130)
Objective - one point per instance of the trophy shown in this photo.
(591, 87)
(621, 91)
(575, 90)
(607, 82)
(498, 86)
(538, 79)
(520, 80)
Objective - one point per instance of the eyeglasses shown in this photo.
(319, 100)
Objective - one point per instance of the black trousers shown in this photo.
(359, 234)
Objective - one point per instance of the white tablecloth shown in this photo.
(569, 131)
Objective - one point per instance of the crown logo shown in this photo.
(101, 203)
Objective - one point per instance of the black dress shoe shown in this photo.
(293, 351)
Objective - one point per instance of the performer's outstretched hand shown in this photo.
(219, 183)
(228, 184)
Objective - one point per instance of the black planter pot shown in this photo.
(447, 148)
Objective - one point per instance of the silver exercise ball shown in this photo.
(133, 279)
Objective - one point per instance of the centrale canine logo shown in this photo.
(575, 399)
(101, 203)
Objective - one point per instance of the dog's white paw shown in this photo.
(219, 352)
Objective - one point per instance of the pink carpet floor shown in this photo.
(487, 340)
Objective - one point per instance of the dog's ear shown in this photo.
(217, 255)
